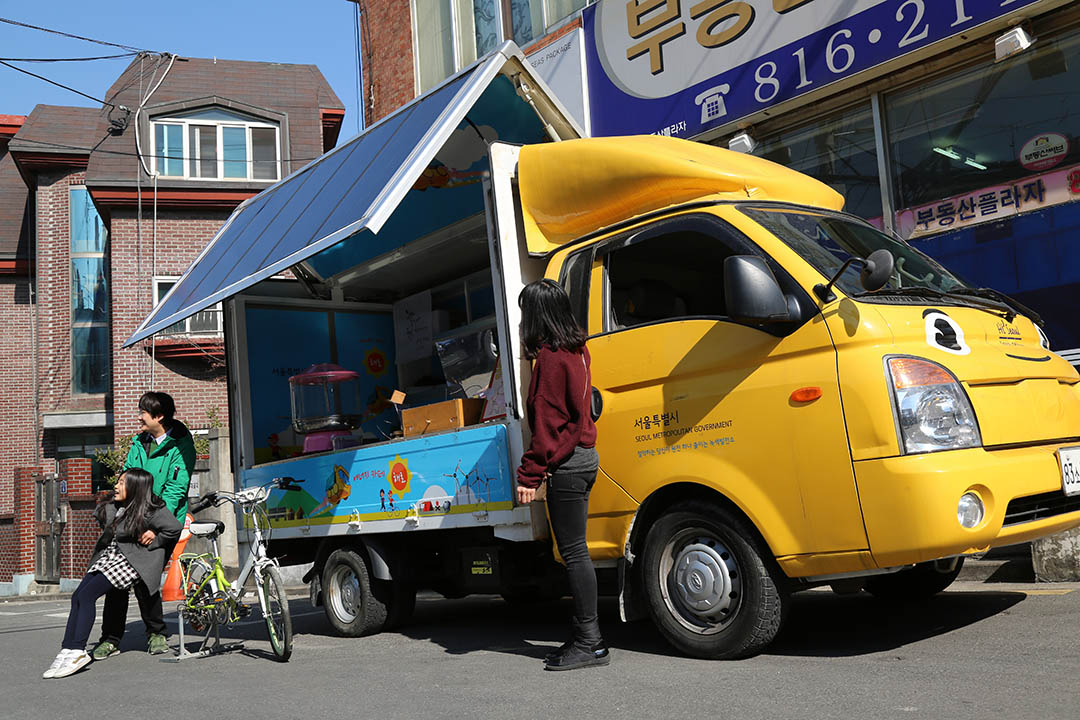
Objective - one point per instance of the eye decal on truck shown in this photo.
(944, 333)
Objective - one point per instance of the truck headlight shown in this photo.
(931, 409)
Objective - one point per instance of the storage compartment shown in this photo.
(437, 417)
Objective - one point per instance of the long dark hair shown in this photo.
(546, 319)
(140, 501)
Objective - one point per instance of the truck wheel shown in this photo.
(917, 583)
(351, 607)
(708, 587)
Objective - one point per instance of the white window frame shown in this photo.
(455, 32)
(186, 322)
(188, 153)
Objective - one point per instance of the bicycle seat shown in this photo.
(207, 529)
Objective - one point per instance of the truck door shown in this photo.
(691, 396)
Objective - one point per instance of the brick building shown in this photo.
(101, 209)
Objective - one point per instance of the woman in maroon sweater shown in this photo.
(563, 454)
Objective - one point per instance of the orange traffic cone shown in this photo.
(172, 589)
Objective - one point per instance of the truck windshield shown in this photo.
(826, 241)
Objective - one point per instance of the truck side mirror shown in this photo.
(751, 292)
(877, 269)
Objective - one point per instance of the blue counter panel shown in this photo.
(450, 473)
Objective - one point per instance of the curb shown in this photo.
(292, 591)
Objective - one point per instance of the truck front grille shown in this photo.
(1037, 507)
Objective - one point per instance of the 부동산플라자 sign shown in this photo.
(681, 67)
(991, 203)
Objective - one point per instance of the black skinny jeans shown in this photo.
(568, 508)
(81, 618)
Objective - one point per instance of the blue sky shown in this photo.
(318, 32)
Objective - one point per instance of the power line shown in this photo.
(69, 59)
(69, 35)
(59, 85)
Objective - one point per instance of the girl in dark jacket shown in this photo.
(120, 560)
(562, 453)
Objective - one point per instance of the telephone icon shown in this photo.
(712, 102)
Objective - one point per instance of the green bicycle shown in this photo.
(211, 601)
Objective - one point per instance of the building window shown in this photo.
(204, 322)
(530, 19)
(840, 151)
(90, 311)
(981, 128)
(85, 444)
(450, 34)
(216, 144)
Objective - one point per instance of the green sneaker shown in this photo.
(104, 649)
(157, 645)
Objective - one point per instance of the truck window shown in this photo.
(575, 281)
(670, 276)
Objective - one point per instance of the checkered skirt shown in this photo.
(114, 566)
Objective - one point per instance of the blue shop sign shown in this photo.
(681, 67)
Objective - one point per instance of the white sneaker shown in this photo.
(60, 657)
(74, 662)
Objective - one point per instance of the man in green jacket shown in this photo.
(166, 450)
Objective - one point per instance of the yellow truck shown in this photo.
(787, 397)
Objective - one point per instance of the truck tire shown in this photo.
(709, 585)
(914, 584)
(350, 605)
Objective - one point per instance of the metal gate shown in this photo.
(49, 524)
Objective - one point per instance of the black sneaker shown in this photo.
(575, 657)
(558, 651)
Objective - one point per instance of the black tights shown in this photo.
(568, 508)
(81, 618)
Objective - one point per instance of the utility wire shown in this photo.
(70, 59)
(59, 85)
(69, 35)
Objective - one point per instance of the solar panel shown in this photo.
(352, 187)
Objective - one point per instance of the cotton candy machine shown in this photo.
(325, 405)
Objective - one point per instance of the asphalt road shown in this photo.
(976, 651)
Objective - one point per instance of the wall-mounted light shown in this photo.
(1014, 40)
(742, 142)
(972, 163)
(948, 152)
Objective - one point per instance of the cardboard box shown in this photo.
(440, 416)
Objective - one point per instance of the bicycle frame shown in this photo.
(256, 560)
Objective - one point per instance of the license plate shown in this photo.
(1069, 458)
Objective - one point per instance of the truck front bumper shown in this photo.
(909, 503)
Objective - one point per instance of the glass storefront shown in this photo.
(840, 151)
(969, 131)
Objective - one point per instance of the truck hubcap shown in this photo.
(344, 595)
(701, 581)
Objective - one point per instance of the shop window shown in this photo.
(840, 151)
(968, 131)
(216, 144)
(651, 280)
(451, 34)
(204, 322)
(90, 310)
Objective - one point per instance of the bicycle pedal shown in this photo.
(243, 610)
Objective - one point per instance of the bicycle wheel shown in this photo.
(275, 608)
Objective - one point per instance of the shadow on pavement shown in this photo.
(823, 624)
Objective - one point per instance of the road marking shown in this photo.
(25, 612)
(1047, 592)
